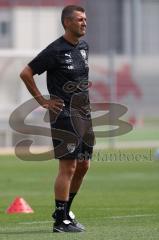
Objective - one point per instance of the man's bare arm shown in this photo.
(27, 76)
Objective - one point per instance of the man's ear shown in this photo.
(66, 22)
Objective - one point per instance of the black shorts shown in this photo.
(73, 138)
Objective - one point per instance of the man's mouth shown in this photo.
(83, 28)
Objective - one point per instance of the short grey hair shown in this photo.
(68, 11)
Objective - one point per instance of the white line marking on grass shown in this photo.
(132, 216)
(35, 222)
(112, 217)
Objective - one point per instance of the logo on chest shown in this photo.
(83, 53)
(84, 56)
(72, 61)
(69, 61)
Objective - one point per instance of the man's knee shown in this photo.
(68, 167)
(83, 166)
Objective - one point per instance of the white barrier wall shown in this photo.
(36, 27)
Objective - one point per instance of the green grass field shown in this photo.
(119, 200)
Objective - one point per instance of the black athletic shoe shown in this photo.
(74, 222)
(65, 226)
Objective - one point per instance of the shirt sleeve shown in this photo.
(44, 61)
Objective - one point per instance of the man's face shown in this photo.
(77, 24)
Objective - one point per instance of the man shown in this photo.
(66, 63)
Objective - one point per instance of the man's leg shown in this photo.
(63, 180)
(62, 187)
(80, 171)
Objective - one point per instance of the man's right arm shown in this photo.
(27, 76)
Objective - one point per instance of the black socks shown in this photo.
(60, 212)
(69, 203)
(62, 209)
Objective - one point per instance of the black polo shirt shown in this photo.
(67, 71)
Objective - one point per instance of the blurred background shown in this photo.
(124, 62)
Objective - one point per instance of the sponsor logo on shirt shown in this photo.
(69, 60)
(70, 67)
(68, 55)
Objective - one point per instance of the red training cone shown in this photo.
(19, 205)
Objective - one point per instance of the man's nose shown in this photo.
(84, 23)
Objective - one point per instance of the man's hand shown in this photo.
(55, 105)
